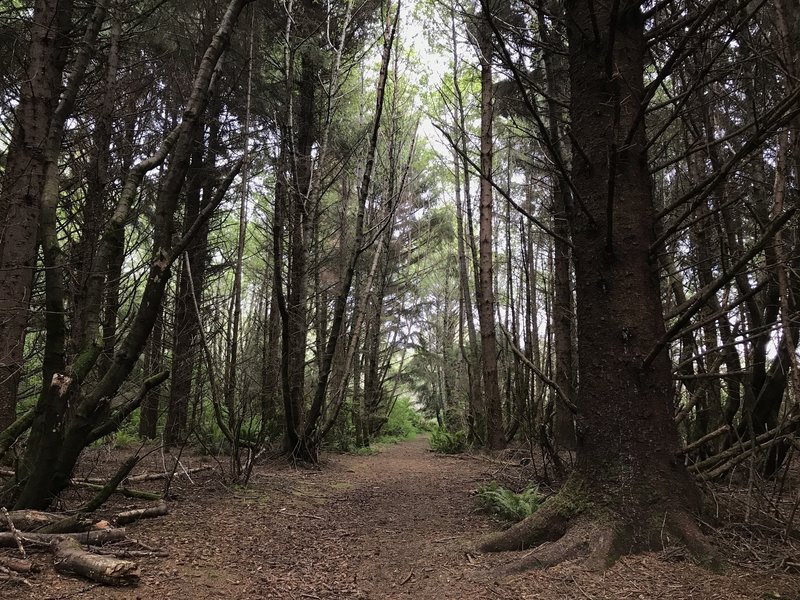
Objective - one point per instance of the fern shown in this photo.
(506, 504)
(445, 442)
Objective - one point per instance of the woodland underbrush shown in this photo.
(752, 521)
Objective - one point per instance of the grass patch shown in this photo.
(506, 504)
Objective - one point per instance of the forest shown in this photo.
(399, 298)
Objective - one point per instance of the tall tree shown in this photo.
(627, 488)
(23, 184)
(495, 434)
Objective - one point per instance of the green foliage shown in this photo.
(447, 442)
(404, 421)
(506, 504)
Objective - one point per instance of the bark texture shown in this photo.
(627, 493)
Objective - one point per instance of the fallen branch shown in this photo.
(732, 455)
(129, 516)
(71, 558)
(14, 532)
(90, 484)
(706, 438)
(127, 492)
(92, 538)
(9, 576)
(111, 486)
(157, 476)
(30, 520)
(121, 553)
(18, 565)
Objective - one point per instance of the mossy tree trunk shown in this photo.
(628, 491)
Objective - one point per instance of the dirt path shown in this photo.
(391, 525)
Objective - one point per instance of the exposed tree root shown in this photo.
(547, 524)
(568, 527)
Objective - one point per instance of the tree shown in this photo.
(22, 187)
(67, 418)
(495, 435)
(628, 487)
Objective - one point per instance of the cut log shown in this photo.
(129, 516)
(92, 538)
(72, 559)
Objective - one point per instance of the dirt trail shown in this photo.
(390, 525)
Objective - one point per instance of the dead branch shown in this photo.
(93, 538)
(129, 516)
(109, 488)
(14, 532)
(125, 491)
(157, 476)
(18, 565)
(30, 520)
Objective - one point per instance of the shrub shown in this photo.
(506, 504)
(404, 422)
(446, 442)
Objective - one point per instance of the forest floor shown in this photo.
(395, 524)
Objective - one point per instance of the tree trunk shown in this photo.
(627, 493)
(187, 322)
(56, 443)
(22, 186)
(495, 433)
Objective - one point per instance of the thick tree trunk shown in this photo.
(627, 493)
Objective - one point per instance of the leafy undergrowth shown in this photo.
(507, 504)
(448, 442)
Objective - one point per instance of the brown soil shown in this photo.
(392, 525)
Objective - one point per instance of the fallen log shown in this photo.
(72, 559)
(144, 476)
(29, 520)
(92, 538)
(157, 476)
(129, 516)
(70, 524)
(18, 565)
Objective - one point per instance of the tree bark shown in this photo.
(495, 433)
(22, 186)
(70, 558)
(628, 493)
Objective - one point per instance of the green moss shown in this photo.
(572, 499)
